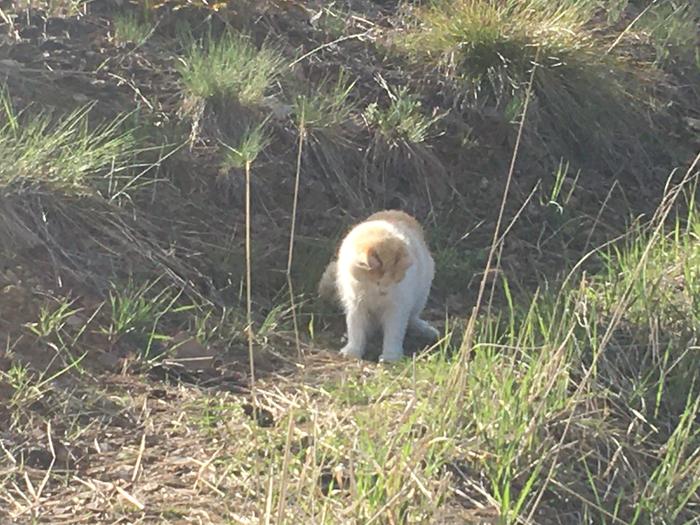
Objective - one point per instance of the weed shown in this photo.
(559, 198)
(137, 311)
(403, 120)
(672, 28)
(52, 321)
(57, 155)
(209, 326)
(253, 142)
(30, 386)
(229, 67)
(328, 108)
(129, 27)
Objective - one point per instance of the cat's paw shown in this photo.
(351, 351)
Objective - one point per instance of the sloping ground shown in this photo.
(124, 373)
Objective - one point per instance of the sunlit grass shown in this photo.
(229, 67)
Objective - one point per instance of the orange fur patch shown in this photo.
(381, 255)
(397, 217)
(378, 246)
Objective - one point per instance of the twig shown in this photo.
(204, 466)
(328, 44)
(629, 26)
(133, 88)
(599, 215)
(248, 278)
(131, 499)
(137, 465)
(501, 243)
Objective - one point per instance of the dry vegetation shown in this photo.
(176, 175)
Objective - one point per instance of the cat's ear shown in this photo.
(371, 260)
(375, 262)
(402, 261)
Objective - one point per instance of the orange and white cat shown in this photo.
(382, 278)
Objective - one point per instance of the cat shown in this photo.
(382, 277)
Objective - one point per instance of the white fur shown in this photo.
(393, 307)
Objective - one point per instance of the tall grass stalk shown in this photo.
(292, 232)
(252, 144)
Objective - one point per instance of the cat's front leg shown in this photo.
(395, 322)
(357, 324)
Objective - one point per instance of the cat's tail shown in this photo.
(326, 286)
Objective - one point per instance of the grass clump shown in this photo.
(582, 96)
(403, 120)
(673, 30)
(229, 67)
(399, 153)
(129, 27)
(487, 33)
(42, 153)
(135, 311)
(252, 143)
(327, 108)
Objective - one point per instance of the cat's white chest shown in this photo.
(378, 297)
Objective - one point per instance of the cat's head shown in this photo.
(382, 258)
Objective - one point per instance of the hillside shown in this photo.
(155, 152)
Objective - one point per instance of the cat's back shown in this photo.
(400, 220)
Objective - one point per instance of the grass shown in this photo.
(402, 120)
(55, 7)
(488, 49)
(136, 313)
(129, 27)
(229, 67)
(673, 31)
(328, 107)
(253, 142)
(551, 415)
(526, 376)
(47, 154)
(142, 383)
(324, 118)
(380, 448)
(399, 151)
